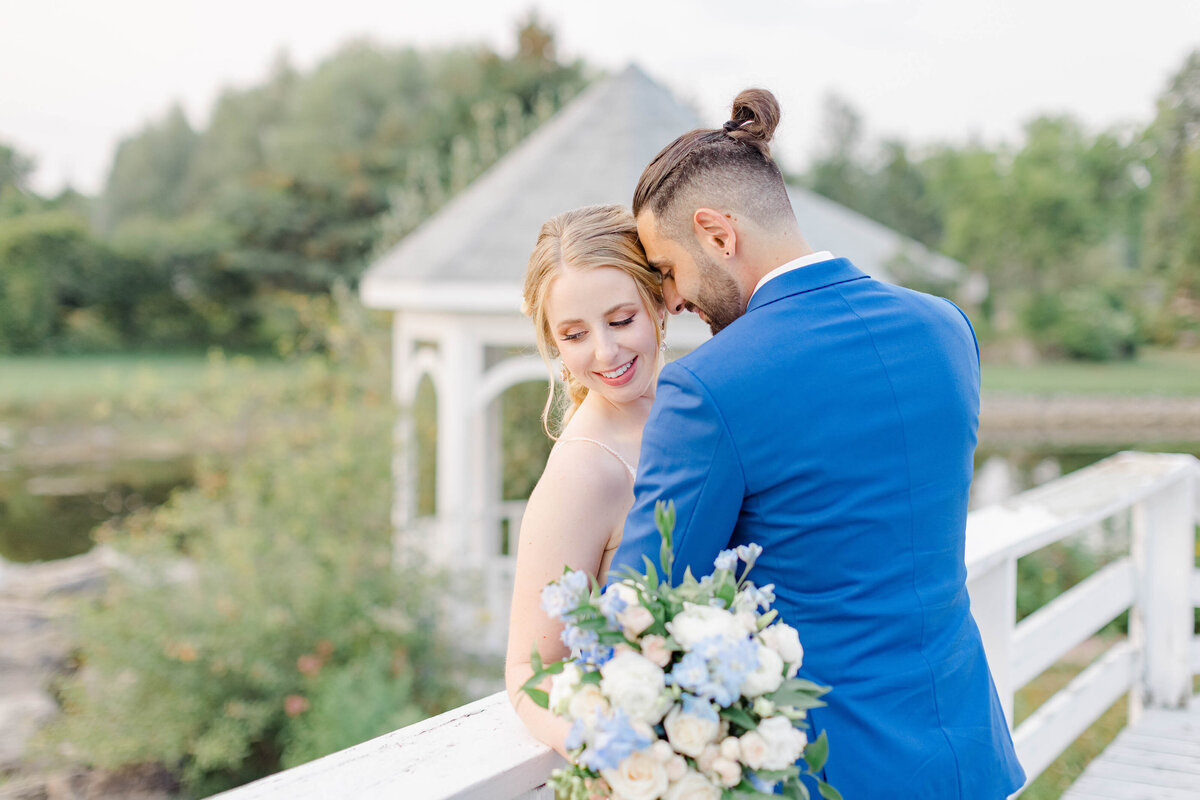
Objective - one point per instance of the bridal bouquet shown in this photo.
(679, 692)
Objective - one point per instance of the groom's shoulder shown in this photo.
(722, 359)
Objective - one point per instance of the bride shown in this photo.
(596, 305)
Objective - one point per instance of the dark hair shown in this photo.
(732, 162)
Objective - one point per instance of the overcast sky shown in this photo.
(77, 75)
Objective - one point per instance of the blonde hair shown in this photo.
(591, 237)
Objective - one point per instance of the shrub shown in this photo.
(1086, 323)
(258, 620)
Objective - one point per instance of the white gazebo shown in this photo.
(454, 286)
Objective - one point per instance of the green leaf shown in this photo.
(664, 519)
(535, 660)
(801, 683)
(539, 696)
(801, 700)
(591, 676)
(827, 791)
(739, 716)
(816, 753)
(795, 790)
(651, 573)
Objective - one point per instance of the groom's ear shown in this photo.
(714, 230)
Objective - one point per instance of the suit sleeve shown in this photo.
(689, 458)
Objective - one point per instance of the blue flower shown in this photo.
(716, 668)
(575, 735)
(565, 594)
(698, 707)
(611, 604)
(596, 654)
(613, 740)
(577, 638)
(726, 559)
(766, 787)
(691, 672)
(763, 596)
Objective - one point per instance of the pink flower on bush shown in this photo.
(294, 705)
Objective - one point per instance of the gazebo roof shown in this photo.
(470, 256)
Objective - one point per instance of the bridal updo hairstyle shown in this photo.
(728, 169)
(584, 238)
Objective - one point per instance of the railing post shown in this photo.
(994, 607)
(1161, 620)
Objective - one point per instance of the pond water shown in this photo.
(51, 513)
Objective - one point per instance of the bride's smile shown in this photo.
(606, 337)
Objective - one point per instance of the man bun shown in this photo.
(754, 118)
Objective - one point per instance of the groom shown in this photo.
(831, 419)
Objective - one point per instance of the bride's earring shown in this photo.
(563, 372)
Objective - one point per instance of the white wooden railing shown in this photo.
(481, 750)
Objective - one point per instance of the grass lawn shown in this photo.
(27, 379)
(148, 386)
(1154, 372)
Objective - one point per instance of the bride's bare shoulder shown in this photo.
(579, 467)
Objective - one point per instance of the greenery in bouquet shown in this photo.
(677, 692)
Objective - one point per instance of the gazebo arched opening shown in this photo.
(524, 448)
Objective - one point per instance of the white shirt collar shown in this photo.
(796, 263)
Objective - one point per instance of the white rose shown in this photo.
(639, 777)
(748, 620)
(688, 733)
(636, 685)
(705, 762)
(729, 772)
(677, 767)
(754, 749)
(635, 619)
(654, 647)
(783, 639)
(697, 622)
(662, 751)
(784, 743)
(730, 748)
(586, 703)
(767, 676)
(563, 685)
(693, 786)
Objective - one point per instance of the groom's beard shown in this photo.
(719, 296)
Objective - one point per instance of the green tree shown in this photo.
(838, 172)
(1171, 254)
(148, 171)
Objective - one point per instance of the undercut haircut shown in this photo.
(728, 169)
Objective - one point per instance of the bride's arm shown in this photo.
(576, 506)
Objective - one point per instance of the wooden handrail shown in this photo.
(482, 749)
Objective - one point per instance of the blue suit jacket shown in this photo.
(834, 423)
